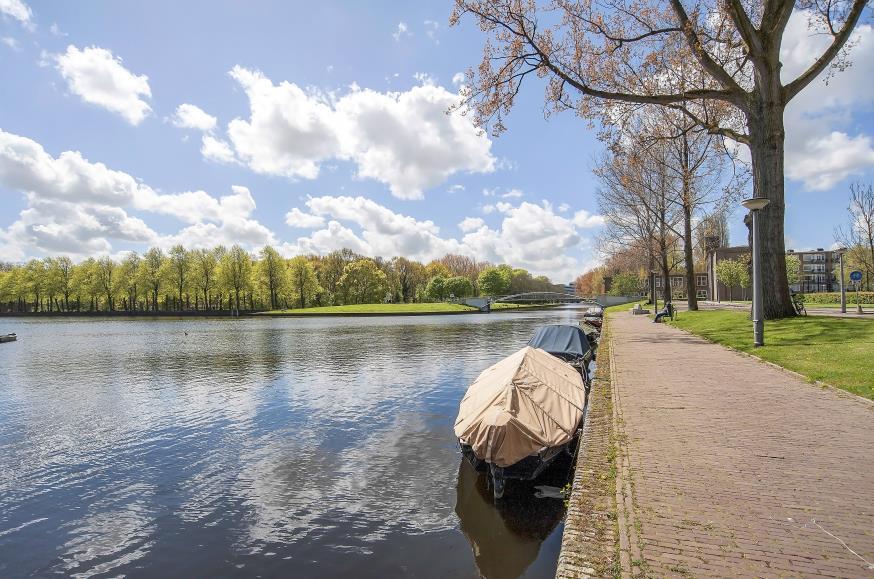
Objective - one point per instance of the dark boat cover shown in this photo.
(561, 340)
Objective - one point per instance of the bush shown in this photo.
(835, 298)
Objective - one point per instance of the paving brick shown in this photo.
(735, 465)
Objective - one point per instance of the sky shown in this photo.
(313, 126)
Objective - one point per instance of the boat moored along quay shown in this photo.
(524, 412)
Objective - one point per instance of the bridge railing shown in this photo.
(546, 297)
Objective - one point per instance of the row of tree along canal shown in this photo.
(221, 279)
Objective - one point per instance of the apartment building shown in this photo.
(817, 272)
(679, 288)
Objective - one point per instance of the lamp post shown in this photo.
(755, 205)
(841, 251)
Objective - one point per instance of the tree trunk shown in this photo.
(666, 276)
(691, 296)
(767, 135)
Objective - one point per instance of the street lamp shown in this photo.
(755, 205)
(841, 251)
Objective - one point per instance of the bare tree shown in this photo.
(717, 62)
(636, 200)
(858, 235)
(696, 162)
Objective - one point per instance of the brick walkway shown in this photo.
(736, 468)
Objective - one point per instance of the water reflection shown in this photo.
(315, 448)
(506, 535)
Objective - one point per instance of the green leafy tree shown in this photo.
(363, 282)
(35, 279)
(65, 270)
(205, 264)
(458, 286)
(180, 268)
(53, 283)
(410, 275)
(107, 280)
(303, 283)
(235, 272)
(732, 273)
(271, 271)
(626, 284)
(436, 288)
(793, 269)
(129, 279)
(152, 273)
(494, 281)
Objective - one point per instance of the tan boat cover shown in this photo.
(526, 402)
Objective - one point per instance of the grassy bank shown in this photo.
(627, 306)
(834, 350)
(438, 308)
(390, 309)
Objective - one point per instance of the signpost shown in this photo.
(856, 278)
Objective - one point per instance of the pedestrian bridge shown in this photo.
(543, 298)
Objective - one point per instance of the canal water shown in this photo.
(272, 447)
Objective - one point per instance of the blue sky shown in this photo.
(317, 125)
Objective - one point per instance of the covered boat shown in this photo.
(568, 343)
(520, 414)
(8, 338)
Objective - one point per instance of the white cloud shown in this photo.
(404, 139)
(458, 78)
(408, 141)
(530, 236)
(508, 194)
(56, 30)
(431, 28)
(289, 131)
(17, 10)
(215, 149)
(401, 31)
(823, 162)
(190, 116)
(455, 188)
(585, 220)
(99, 78)
(823, 145)
(469, 224)
(77, 207)
(297, 218)
(563, 208)
(424, 78)
(11, 43)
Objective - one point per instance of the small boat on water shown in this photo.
(8, 338)
(522, 413)
(594, 316)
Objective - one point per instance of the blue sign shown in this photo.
(856, 275)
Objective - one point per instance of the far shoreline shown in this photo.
(225, 314)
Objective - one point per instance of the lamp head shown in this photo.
(755, 203)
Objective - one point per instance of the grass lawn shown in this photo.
(837, 351)
(628, 306)
(376, 309)
(851, 305)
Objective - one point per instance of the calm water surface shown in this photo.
(271, 447)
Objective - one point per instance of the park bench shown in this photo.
(665, 312)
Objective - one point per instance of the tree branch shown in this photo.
(742, 22)
(717, 72)
(840, 39)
